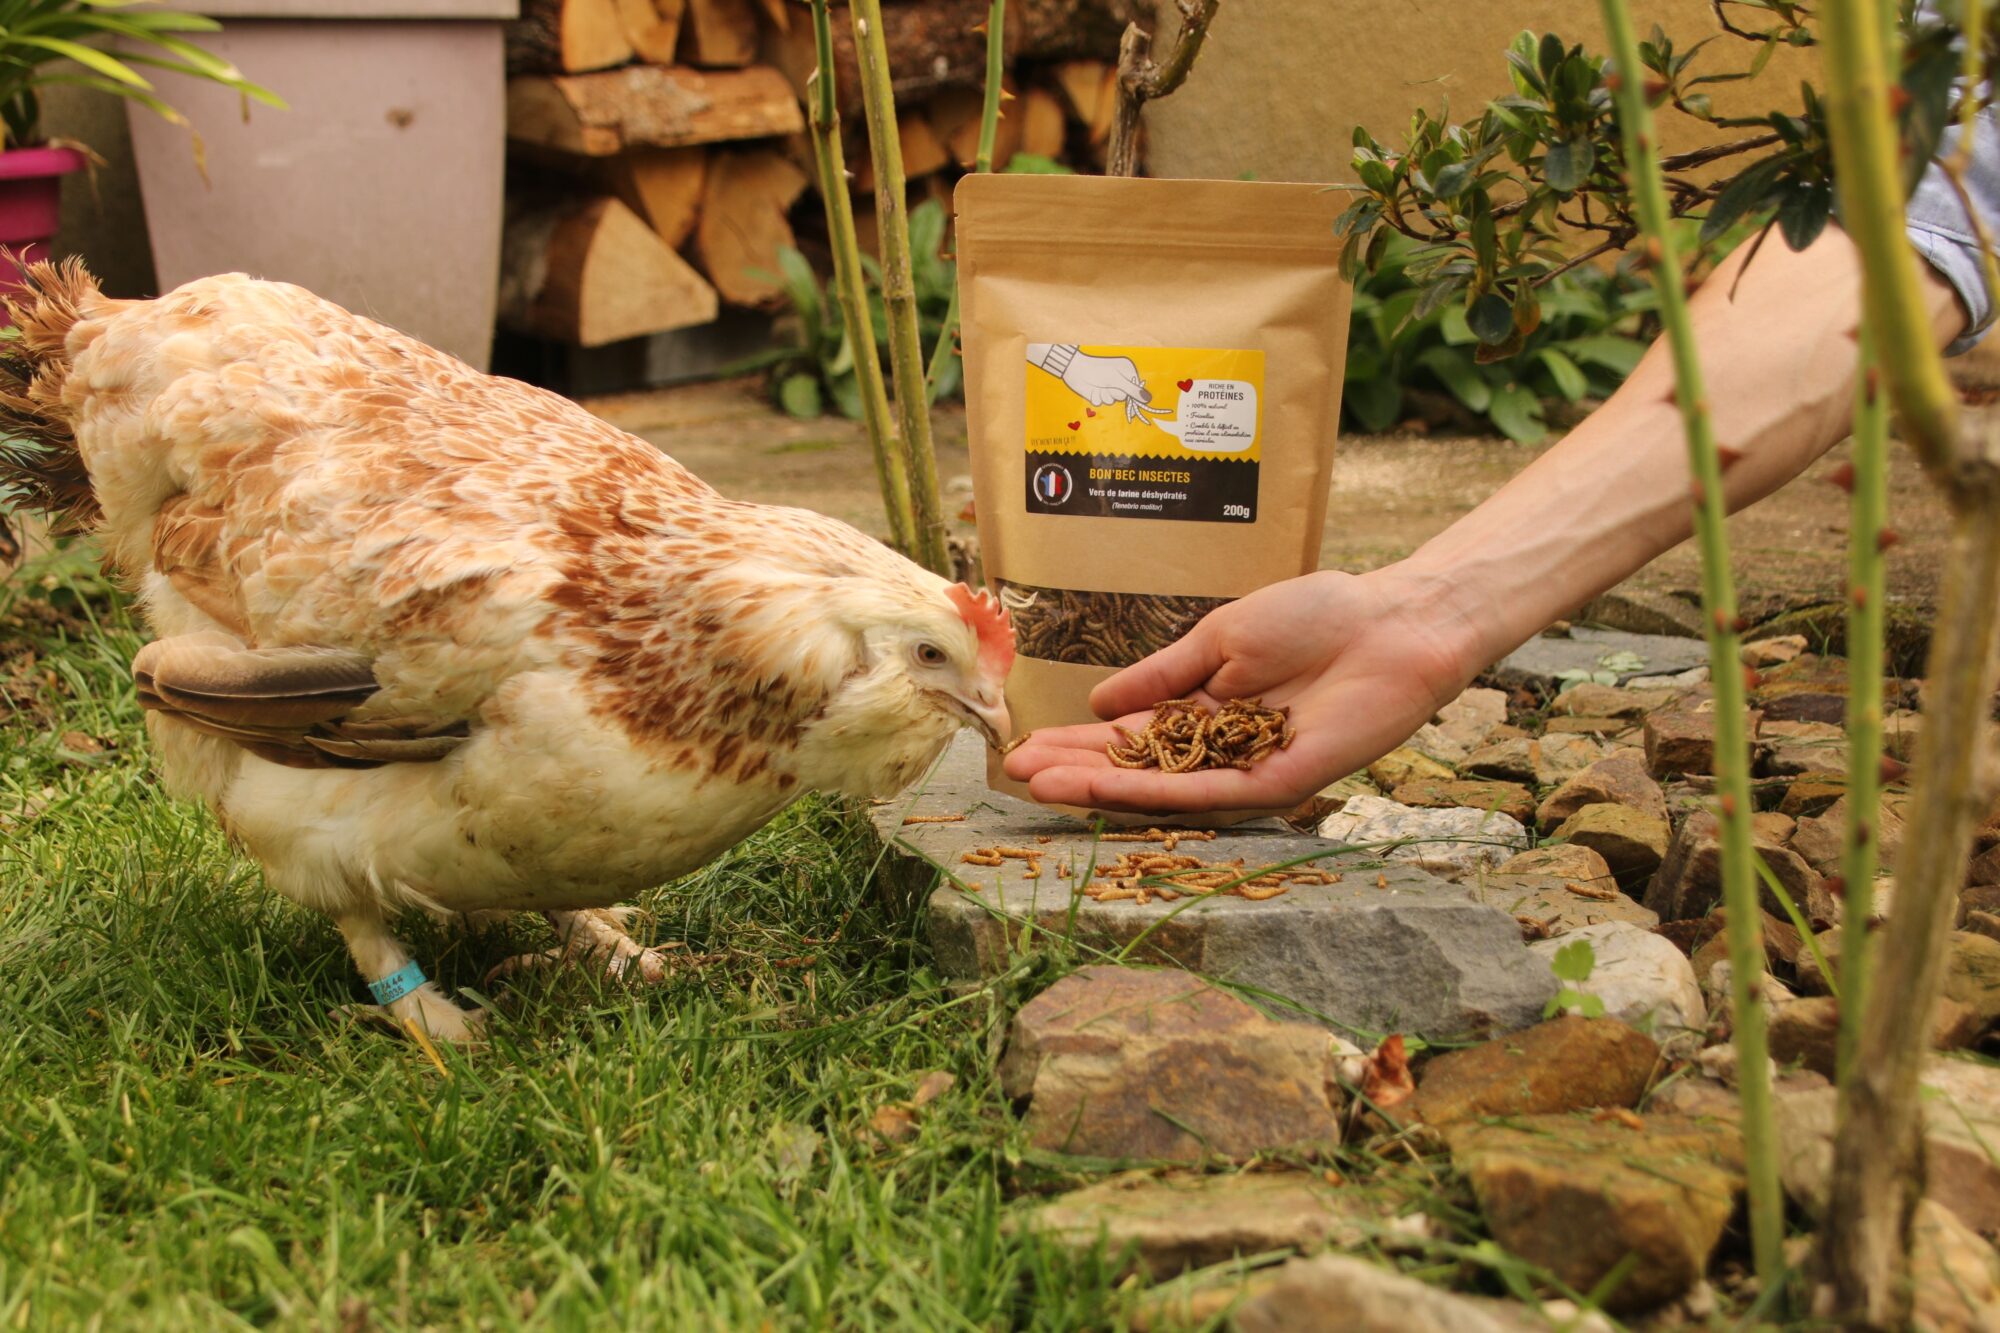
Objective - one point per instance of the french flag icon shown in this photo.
(1052, 484)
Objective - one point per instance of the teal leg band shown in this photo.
(397, 984)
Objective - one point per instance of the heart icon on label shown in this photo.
(1185, 385)
(1090, 411)
(1076, 425)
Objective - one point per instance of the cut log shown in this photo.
(653, 27)
(1091, 89)
(590, 272)
(647, 106)
(566, 37)
(719, 33)
(938, 44)
(923, 151)
(1043, 129)
(955, 116)
(743, 222)
(661, 185)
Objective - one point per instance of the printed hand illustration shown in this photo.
(1356, 659)
(1097, 380)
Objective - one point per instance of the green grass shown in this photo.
(191, 1137)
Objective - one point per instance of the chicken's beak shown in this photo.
(987, 711)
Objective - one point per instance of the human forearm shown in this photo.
(1778, 353)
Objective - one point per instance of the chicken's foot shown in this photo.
(379, 954)
(596, 937)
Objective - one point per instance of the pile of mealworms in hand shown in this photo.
(1142, 876)
(1184, 737)
(1106, 629)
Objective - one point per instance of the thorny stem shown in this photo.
(1878, 1162)
(1732, 750)
(822, 110)
(1866, 591)
(899, 294)
(989, 130)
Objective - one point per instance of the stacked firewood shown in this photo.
(659, 158)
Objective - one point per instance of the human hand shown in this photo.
(1361, 661)
(1099, 380)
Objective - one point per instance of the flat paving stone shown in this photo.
(1389, 948)
(1539, 662)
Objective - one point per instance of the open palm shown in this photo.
(1351, 657)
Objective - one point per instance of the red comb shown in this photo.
(989, 621)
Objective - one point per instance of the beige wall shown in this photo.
(1281, 84)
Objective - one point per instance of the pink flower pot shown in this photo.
(30, 203)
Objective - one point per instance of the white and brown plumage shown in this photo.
(430, 638)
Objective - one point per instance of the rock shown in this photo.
(1123, 1063)
(1468, 720)
(1899, 735)
(1432, 740)
(1764, 654)
(1677, 683)
(1643, 612)
(1806, 969)
(1448, 841)
(1567, 860)
(1389, 948)
(1978, 898)
(1509, 798)
(1981, 923)
(1689, 880)
(1618, 779)
(1540, 662)
(1354, 784)
(1983, 868)
(1812, 794)
(1630, 841)
(1593, 700)
(1335, 1291)
(1972, 974)
(1169, 1224)
(1643, 980)
(1954, 1274)
(1578, 1196)
(1610, 729)
(1405, 765)
(1681, 738)
(1559, 758)
(1806, 706)
(1556, 905)
(1806, 1031)
(1564, 1065)
(1508, 760)
(1786, 749)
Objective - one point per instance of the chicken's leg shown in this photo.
(379, 955)
(595, 936)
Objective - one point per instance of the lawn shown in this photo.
(192, 1135)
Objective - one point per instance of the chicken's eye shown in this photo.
(930, 655)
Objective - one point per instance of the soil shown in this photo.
(1391, 493)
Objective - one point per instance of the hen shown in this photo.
(427, 638)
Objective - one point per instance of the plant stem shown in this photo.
(899, 289)
(1732, 750)
(1865, 663)
(1141, 79)
(850, 286)
(989, 131)
(1878, 1163)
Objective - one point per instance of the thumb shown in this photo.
(1172, 673)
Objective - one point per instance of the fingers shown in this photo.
(1174, 672)
(1147, 790)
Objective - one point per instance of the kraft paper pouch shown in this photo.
(1153, 373)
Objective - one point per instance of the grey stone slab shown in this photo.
(1390, 948)
(1539, 662)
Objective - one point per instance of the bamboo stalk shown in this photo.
(1732, 750)
(850, 289)
(1865, 664)
(989, 131)
(1878, 1161)
(899, 290)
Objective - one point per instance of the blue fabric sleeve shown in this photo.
(1945, 236)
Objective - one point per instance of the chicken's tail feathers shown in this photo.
(40, 467)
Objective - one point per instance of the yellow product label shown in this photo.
(1144, 432)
